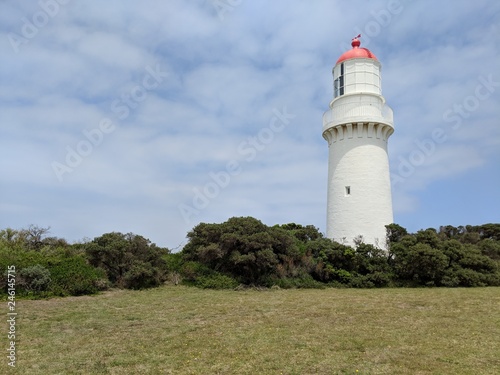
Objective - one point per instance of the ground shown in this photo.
(182, 330)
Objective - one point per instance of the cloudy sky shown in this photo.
(152, 116)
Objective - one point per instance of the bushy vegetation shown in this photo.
(245, 252)
(243, 248)
(293, 255)
(74, 276)
(130, 261)
(462, 256)
(49, 266)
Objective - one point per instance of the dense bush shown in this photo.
(129, 260)
(142, 275)
(246, 251)
(50, 270)
(192, 271)
(34, 278)
(452, 256)
(21, 258)
(216, 281)
(74, 277)
(292, 255)
(420, 263)
(244, 248)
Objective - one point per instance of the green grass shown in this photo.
(181, 330)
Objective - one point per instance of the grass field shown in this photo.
(181, 330)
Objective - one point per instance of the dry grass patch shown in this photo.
(180, 330)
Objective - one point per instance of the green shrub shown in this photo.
(360, 281)
(73, 276)
(216, 281)
(192, 270)
(450, 279)
(243, 247)
(173, 261)
(34, 279)
(141, 275)
(379, 279)
(21, 259)
(470, 277)
(130, 261)
(342, 276)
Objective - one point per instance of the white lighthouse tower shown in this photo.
(357, 127)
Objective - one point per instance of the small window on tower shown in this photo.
(341, 79)
(347, 190)
(338, 84)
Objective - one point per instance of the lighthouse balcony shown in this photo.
(358, 108)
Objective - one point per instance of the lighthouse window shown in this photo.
(338, 84)
(341, 79)
(347, 190)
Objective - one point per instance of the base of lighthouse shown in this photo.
(359, 189)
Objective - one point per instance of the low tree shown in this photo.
(130, 261)
(34, 236)
(334, 262)
(490, 248)
(394, 233)
(242, 247)
(372, 265)
(420, 264)
(302, 233)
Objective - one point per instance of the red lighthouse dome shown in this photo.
(356, 52)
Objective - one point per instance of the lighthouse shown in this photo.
(357, 127)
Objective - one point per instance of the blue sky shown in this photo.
(150, 117)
